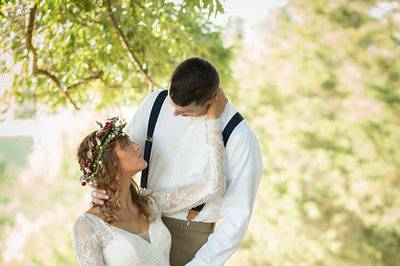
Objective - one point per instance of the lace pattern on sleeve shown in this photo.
(88, 247)
(212, 186)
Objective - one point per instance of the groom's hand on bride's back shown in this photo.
(99, 196)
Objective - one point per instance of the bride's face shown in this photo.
(130, 157)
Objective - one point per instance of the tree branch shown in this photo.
(36, 71)
(133, 58)
(94, 75)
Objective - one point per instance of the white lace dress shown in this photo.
(99, 243)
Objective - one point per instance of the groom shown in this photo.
(179, 157)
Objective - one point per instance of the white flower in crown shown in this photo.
(91, 144)
(89, 154)
(125, 131)
(87, 170)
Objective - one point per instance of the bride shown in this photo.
(127, 229)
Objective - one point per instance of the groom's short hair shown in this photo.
(194, 80)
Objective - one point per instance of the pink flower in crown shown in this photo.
(108, 125)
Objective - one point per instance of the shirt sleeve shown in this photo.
(171, 200)
(244, 169)
(87, 246)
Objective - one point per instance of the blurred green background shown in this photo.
(318, 81)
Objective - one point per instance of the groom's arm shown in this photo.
(244, 169)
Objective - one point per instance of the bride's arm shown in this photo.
(211, 186)
(86, 244)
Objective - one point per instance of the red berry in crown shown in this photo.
(109, 125)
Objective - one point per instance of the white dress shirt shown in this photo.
(179, 157)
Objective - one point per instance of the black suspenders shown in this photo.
(235, 120)
(155, 111)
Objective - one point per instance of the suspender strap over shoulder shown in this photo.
(235, 120)
(155, 111)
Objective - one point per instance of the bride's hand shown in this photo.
(99, 196)
(217, 107)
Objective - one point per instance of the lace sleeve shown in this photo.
(87, 247)
(212, 186)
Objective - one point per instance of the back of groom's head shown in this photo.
(195, 80)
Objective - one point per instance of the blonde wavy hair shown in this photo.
(106, 179)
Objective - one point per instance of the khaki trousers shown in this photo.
(186, 239)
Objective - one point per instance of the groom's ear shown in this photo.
(211, 101)
(214, 98)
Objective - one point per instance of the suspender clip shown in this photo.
(188, 221)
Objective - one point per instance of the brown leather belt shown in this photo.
(181, 225)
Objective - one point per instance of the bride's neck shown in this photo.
(125, 194)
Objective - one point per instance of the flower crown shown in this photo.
(103, 137)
